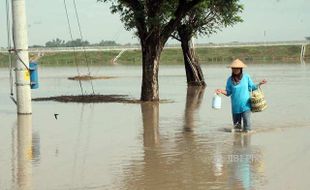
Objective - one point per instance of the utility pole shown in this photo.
(20, 41)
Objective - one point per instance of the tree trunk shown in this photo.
(194, 74)
(151, 51)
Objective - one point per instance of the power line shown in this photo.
(81, 36)
(74, 52)
(8, 26)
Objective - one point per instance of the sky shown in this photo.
(264, 20)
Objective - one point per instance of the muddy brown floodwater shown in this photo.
(180, 144)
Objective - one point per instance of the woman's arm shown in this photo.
(253, 86)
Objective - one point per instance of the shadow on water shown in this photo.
(189, 162)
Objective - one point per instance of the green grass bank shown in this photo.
(206, 55)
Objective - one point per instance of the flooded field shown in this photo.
(176, 145)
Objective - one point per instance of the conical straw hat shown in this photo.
(237, 64)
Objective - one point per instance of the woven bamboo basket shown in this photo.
(258, 102)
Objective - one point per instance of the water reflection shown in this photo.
(150, 117)
(190, 160)
(25, 152)
(246, 165)
(23, 164)
(167, 146)
(303, 63)
(82, 146)
(194, 97)
(171, 162)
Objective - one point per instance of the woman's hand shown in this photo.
(219, 91)
(264, 81)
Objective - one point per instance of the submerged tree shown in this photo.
(206, 19)
(153, 21)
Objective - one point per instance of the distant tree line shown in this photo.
(76, 43)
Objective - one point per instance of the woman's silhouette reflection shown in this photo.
(246, 163)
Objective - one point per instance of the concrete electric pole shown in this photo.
(20, 40)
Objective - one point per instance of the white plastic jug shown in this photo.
(216, 102)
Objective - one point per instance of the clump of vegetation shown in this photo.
(77, 43)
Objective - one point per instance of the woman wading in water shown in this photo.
(238, 87)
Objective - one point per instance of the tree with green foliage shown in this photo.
(77, 43)
(107, 43)
(55, 43)
(154, 21)
(209, 18)
(36, 46)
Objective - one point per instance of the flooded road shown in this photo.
(178, 145)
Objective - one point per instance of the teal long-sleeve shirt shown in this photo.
(240, 93)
